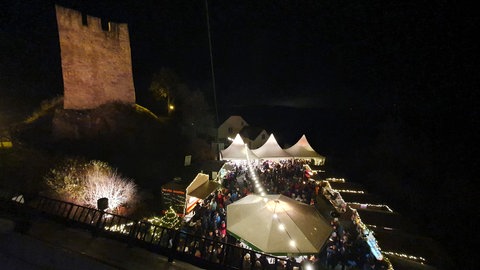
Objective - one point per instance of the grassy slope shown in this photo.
(142, 146)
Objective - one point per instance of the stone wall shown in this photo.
(96, 61)
(107, 121)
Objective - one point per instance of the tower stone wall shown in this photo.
(96, 60)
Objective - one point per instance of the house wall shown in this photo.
(259, 140)
(96, 63)
(231, 127)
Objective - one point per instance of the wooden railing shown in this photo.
(175, 244)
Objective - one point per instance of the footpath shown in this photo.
(50, 245)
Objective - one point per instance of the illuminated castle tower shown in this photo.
(96, 60)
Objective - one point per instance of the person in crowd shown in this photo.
(332, 256)
(215, 220)
(213, 205)
(223, 229)
(246, 261)
(264, 261)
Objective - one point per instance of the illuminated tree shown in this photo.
(65, 181)
(85, 183)
(170, 220)
(101, 181)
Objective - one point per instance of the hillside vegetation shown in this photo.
(132, 139)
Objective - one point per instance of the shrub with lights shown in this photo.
(84, 183)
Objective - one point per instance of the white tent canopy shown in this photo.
(237, 151)
(303, 150)
(271, 150)
(277, 225)
(201, 186)
(199, 189)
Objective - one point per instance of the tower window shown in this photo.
(84, 19)
(105, 25)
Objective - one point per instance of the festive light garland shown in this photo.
(370, 239)
(368, 234)
(338, 180)
(375, 227)
(406, 256)
(258, 185)
(121, 228)
(373, 205)
(169, 220)
(154, 220)
(389, 264)
(349, 191)
(282, 226)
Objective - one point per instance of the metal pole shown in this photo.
(211, 62)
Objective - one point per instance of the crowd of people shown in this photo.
(344, 249)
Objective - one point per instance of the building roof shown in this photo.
(234, 117)
(251, 132)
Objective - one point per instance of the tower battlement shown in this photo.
(96, 60)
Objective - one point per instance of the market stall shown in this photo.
(277, 225)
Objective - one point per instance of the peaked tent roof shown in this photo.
(271, 150)
(237, 151)
(302, 149)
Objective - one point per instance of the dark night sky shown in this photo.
(410, 61)
(404, 59)
(340, 54)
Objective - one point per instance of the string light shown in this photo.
(258, 185)
(292, 243)
(406, 256)
(338, 180)
(368, 235)
(281, 226)
(389, 264)
(349, 191)
(121, 228)
(372, 205)
(169, 220)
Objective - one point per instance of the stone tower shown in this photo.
(96, 60)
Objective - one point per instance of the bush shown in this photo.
(85, 182)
